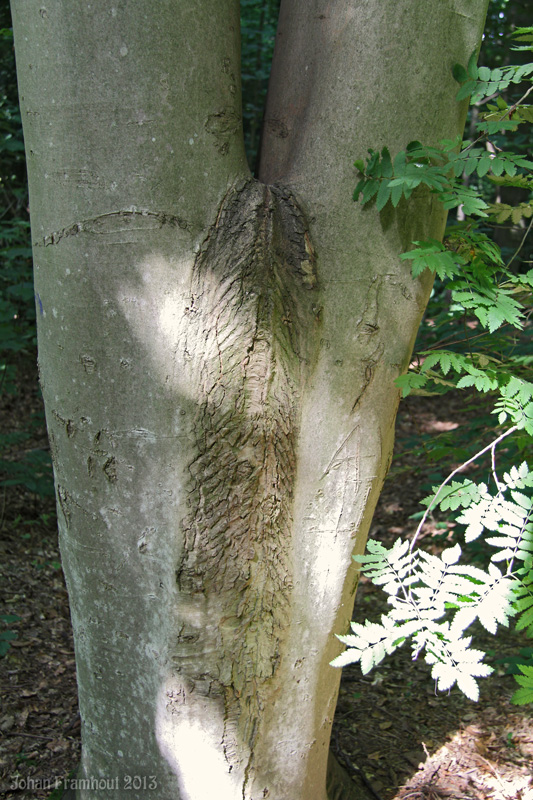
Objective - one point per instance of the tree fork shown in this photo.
(218, 359)
(250, 327)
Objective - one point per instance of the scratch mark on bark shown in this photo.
(113, 222)
(368, 376)
(333, 460)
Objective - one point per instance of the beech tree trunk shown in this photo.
(217, 357)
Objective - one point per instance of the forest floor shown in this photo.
(396, 736)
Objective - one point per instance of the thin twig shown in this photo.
(508, 113)
(499, 485)
(431, 505)
(520, 246)
(445, 340)
(30, 736)
(494, 771)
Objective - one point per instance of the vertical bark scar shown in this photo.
(252, 337)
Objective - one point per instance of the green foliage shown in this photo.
(503, 212)
(486, 294)
(258, 31)
(19, 466)
(434, 599)
(6, 637)
(440, 169)
(33, 471)
(525, 694)
(481, 82)
(17, 309)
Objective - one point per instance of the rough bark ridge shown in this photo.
(249, 338)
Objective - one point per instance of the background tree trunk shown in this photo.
(217, 357)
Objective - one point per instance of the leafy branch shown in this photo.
(435, 599)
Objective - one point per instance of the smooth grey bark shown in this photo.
(217, 358)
